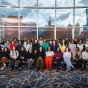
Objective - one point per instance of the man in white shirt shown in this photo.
(85, 58)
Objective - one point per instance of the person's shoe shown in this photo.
(11, 69)
(2, 68)
(4, 65)
(68, 70)
(57, 70)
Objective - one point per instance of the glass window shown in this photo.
(81, 21)
(10, 32)
(30, 3)
(64, 17)
(9, 16)
(47, 33)
(81, 2)
(29, 17)
(46, 3)
(9, 2)
(46, 17)
(28, 32)
(64, 3)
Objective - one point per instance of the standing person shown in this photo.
(24, 42)
(7, 44)
(72, 46)
(77, 58)
(67, 59)
(13, 56)
(54, 46)
(35, 49)
(30, 58)
(85, 45)
(4, 57)
(85, 58)
(80, 45)
(67, 41)
(28, 45)
(19, 45)
(40, 61)
(49, 58)
(36, 46)
(76, 41)
(58, 58)
(63, 46)
(59, 42)
(2, 44)
(12, 45)
(40, 40)
(45, 44)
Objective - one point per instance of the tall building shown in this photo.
(77, 29)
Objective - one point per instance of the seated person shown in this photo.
(85, 58)
(40, 60)
(22, 57)
(58, 58)
(4, 57)
(49, 58)
(30, 58)
(13, 56)
(77, 58)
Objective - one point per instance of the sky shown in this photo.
(63, 16)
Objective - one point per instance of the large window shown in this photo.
(51, 19)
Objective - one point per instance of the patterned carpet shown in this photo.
(52, 79)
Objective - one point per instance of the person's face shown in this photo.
(72, 41)
(7, 42)
(44, 41)
(76, 49)
(66, 49)
(35, 41)
(63, 40)
(49, 49)
(40, 38)
(54, 42)
(80, 42)
(19, 42)
(58, 49)
(5, 49)
(67, 39)
(22, 48)
(30, 50)
(14, 48)
(12, 42)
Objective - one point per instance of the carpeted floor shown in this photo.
(33, 79)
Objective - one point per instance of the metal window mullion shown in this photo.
(19, 19)
(55, 22)
(37, 19)
(73, 29)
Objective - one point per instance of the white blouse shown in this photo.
(49, 53)
(67, 55)
(14, 54)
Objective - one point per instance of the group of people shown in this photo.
(41, 54)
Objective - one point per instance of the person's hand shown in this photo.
(57, 57)
(30, 59)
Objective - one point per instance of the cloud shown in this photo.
(64, 16)
(85, 2)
